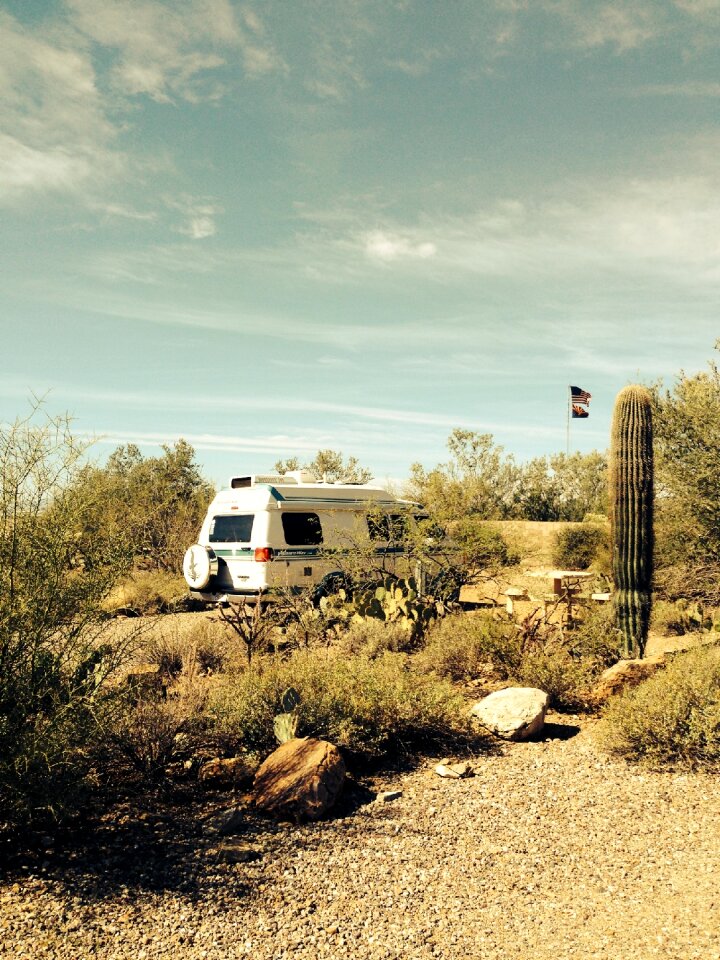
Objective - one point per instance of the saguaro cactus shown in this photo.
(631, 515)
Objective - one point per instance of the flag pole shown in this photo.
(569, 404)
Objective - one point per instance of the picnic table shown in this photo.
(568, 581)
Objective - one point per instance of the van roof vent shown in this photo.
(299, 476)
(237, 483)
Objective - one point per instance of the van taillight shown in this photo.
(263, 554)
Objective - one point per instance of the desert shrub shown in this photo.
(680, 617)
(576, 547)
(566, 679)
(151, 731)
(566, 664)
(688, 580)
(167, 652)
(372, 638)
(366, 706)
(461, 645)
(55, 659)
(482, 545)
(147, 592)
(595, 636)
(671, 719)
(173, 644)
(562, 663)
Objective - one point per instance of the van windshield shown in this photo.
(236, 528)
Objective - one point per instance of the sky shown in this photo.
(274, 227)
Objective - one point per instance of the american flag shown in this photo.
(578, 395)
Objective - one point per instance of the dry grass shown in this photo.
(147, 592)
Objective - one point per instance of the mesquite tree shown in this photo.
(631, 514)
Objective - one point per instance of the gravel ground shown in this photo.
(550, 851)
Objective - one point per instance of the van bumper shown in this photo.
(225, 596)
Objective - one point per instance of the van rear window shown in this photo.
(301, 529)
(236, 528)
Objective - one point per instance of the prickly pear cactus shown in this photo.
(398, 602)
(631, 515)
(285, 725)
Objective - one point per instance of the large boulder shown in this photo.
(624, 675)
(301, 780)
(514, 713)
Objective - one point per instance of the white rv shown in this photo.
(270, 532)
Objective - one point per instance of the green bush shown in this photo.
(563, 664)
(150, 728)
(148, 592)
(461, 646)
(55, 659)
(482, 545)
(577, 547)
(366, 706)
(680, 617)
(671, 719)
(153, 505)
(372, 638)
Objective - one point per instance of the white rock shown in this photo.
(387, 795)
(514, 713)
(454, 771)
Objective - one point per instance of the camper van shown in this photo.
(272, 532)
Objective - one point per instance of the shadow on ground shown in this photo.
(556, 731)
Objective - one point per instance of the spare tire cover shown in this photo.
(199, 565)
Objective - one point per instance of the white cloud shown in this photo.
(620, 25)
(61, 122)
(623, 25)
(658, 226)
(199, 216)
(199, 227)
(152, 400)
(699, 8)
(168, 50)
(380, 245)
(124, 211)
(23, 168)
(278, 444)
(55, 129)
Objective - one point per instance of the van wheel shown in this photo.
(200, 565)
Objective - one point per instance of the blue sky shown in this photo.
(278, 226)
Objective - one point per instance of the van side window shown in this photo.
(236, 528)
(385, 526)
(301, 529)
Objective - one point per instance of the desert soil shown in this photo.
(550, 851)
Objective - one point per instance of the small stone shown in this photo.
(385, 796)
(225, 822)
(234, 851)
(232, 771)
(454, 771)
